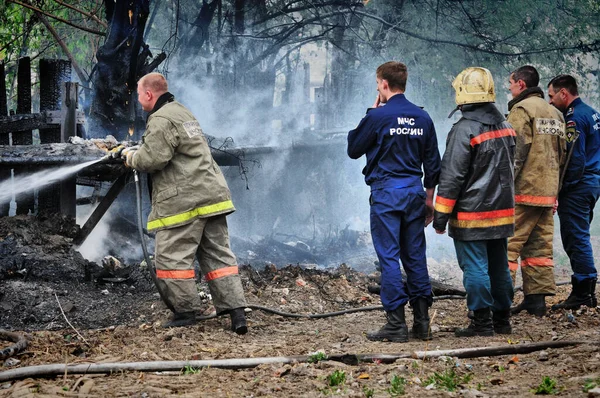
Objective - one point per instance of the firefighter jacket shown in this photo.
(186, 181)
(476, 192)
(583, 122)
(541, 148)
(399, 141)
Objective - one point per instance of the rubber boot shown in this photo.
(394, 330)
(501, 322)
(421, 328)
(181, 319)
(481, 325)
(582, 293)
(535, 304)
(238, 321)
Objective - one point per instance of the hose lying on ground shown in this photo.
(19, 340)
(239, 363)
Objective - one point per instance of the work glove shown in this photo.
(128, 153)
(116, 152)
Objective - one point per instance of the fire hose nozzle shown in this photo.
(114, 154)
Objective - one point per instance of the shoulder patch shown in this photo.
(570, 111)
(192, 128)
(571, 123)
(571, 134)
(549, 127)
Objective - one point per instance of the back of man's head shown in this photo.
(528, 74)
(567, 82)
(395, 73)
(154, 82)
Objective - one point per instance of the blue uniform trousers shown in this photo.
(485, 273)
(398, 232)
(575, 211)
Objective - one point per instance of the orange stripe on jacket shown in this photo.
(538, 200)
(537, 262)
(490, 135)
(513, 265)
(221, 272)
(444, 205)
(176, 274)
(484, 215)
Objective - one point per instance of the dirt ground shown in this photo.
(116, 317)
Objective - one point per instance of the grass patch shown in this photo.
(397, 387)
(449, 380)
(548, 386)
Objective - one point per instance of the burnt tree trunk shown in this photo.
(25, 201)
(4, 137)
(114, 107)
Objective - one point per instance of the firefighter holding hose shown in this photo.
(190, 200)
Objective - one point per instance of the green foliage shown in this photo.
(337, 378)
(397, 387)
(317, 357)
(591, 384)
(369, 392)
(190, 370)
(546, 387)
(449, 380)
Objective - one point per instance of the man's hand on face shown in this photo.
(377, 102)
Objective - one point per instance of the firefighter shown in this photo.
(540, 152)
(399, 141)
(190, 200)
(580, 189)
(476, 198)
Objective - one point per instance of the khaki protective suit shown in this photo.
(190, 199)
(540, 154)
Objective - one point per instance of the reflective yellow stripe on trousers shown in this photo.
(188, 215)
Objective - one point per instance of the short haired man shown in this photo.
(540, 152)
(580, 188)
(399, 141)
(476, 197)
(190, 200)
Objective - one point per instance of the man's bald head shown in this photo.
(150, 88)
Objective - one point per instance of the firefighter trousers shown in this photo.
(576, 211)
(398, 232)
(532, 242)
(208, 240)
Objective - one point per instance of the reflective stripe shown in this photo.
(188, 215)
(221, 272)
(444, 205)
(176, 274)
(513, 265)
(538, 200)
(483, 215)
(490, 135)
(491, 222)
(537, 262)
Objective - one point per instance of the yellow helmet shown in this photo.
(474, 85)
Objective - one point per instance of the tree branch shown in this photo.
(584, 47)
(87, 14)
(62, 44)
(96, 32)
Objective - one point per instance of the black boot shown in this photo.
(180, 319)
(421, 328)
(501, 321)
(394, 330)
(582, 293)
(535, 304)
(481, 325)
(238, 321)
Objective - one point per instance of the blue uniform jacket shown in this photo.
(400, 142)
(584, 166)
